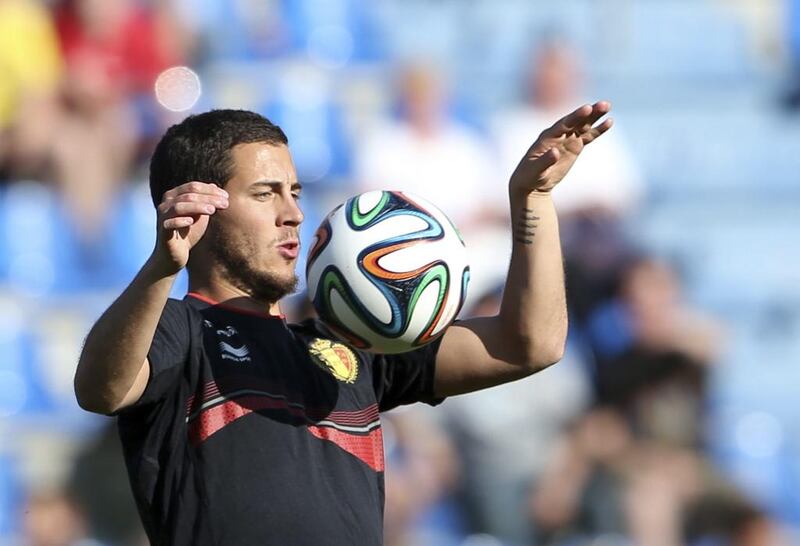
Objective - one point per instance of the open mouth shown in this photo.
(289, 249)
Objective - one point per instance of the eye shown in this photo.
(296, 196)
(263, 195)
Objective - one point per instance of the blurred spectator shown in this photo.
(114, 52)
(604, 483)
(53, 519)
(428, 152)
(594, 197)
(422, 471)
(793, 31)
(580, 493)
(633, 465)
(506, 436)
(238, 30)
(30, 72)
(116, 49)
(727, 518)
(80, 129)
(609, 182)
(99, 483)
(652, 352)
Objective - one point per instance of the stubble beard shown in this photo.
(234, 257)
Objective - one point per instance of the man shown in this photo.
(239, 428)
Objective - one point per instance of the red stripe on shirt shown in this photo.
(367, 447)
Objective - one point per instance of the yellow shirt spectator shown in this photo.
(30, 59)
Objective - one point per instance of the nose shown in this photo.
(290, 213)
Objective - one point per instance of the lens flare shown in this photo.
(178, 88)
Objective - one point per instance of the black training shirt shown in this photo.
(253, 431)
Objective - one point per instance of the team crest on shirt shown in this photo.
(336, 358)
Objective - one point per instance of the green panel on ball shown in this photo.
(360, 220)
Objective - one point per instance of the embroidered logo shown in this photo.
(228, 350)
(336, 358)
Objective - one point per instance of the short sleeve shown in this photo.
(407, 377)
(169, 352)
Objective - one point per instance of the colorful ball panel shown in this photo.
(387, 271)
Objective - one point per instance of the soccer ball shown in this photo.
(387, 271)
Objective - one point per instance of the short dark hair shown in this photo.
(199, 148)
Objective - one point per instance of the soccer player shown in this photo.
(239, 428)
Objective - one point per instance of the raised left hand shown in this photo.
(552, 155)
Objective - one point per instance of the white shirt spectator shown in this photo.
(450, 168)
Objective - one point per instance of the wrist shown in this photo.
(523, 196)
(157, 268)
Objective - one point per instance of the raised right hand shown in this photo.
(549, 159)
(183, 216)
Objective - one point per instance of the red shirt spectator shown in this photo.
(115, 48)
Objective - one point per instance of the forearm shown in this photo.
(117, 345)
(533, 312)
(530, 331)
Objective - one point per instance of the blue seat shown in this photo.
(28, 238)
(684, 39)
(10, 496)
(22, 387)
(238, 31)
(133, 235)
(335, 32)
(315, 130)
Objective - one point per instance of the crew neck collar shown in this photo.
(233, 308)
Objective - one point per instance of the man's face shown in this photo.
(255, 241)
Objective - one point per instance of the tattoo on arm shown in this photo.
(525, 225)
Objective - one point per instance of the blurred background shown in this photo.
(672, 419)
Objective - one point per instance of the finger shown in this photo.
(211, 199)
(178, 223)
(583, 116)
(543, 162)
(195, 187)
(599, 109)
(588, 127)
(168, 204)
(569, 122)
(595, 132)
(188, 209)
